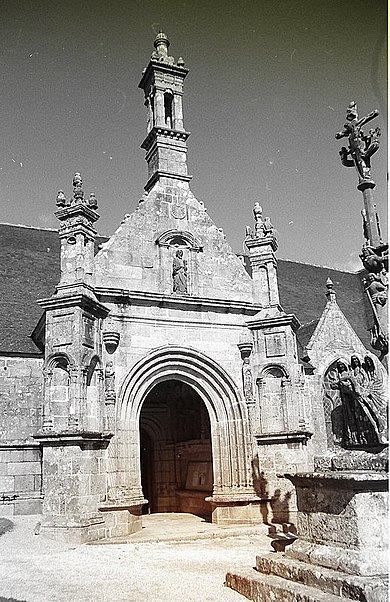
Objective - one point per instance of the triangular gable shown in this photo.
(138, 256)
(332, 338)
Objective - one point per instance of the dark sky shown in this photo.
(268, 87)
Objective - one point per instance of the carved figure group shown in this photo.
(376, 288)
(361, 147)
(363, 401)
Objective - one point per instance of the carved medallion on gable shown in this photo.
(61, 330)
(275, 344)
(178, 208)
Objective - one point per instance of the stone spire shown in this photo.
(262, 245)
(166, 140)
(77, 234)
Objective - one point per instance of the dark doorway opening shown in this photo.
(176, 453)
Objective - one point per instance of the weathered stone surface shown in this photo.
(282, 578)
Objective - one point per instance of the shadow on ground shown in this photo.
(6, 525)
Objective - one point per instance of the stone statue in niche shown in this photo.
(109, 382)
(364, 403)
(179, 273)
(247, 379)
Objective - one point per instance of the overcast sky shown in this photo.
(268, 87)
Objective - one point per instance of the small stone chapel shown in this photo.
(164, 374)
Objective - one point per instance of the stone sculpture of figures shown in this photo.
(109, 382)
(247, 379)
(376, 286)
(179, 273)
(372, 261)
(364, 403)
(263, 227)
(361, 147)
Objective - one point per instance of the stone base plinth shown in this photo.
(342, 521)
(235, 510)
(282, 579)
(111, 521)
(341, 552)
(121, 521)
(73, 530)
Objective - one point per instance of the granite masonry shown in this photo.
(164, 373)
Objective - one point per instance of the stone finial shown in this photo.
(77, 180)
(258, 215)
(263, 226)
(78, 193)
(180, 62)
(92, 201)
(61, 199)
(161, 44)
(330, 292)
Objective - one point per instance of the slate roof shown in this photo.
(30, 269)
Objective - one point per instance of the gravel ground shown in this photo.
(33, 569)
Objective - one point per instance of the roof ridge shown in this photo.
(29, 226)
(43, 228)
(316, 265)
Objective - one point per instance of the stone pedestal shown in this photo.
(235, 510)
(74, 485)
(342, 549)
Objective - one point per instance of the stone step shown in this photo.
(264, 588)
(363, 589)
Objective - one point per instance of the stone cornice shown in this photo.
(285, 437)
(117, 295)
(81, 298)
(75, 210)
(364, 480)
(83, 439)
(165, 133)
(272, 322)
(164, 68)
(253, 243)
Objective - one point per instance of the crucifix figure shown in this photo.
(361, 147)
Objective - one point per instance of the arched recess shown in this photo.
(57, 394)
(274, 393)
(168, 243)
(332, 406)
(227, 412)
(93, 410)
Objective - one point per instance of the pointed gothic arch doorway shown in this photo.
(176, 451)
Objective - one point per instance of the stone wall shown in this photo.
(133, 258)
(20, 479)
(20, 456)
(21, 384)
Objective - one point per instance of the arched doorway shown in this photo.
(176, 455)
(232, 491)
